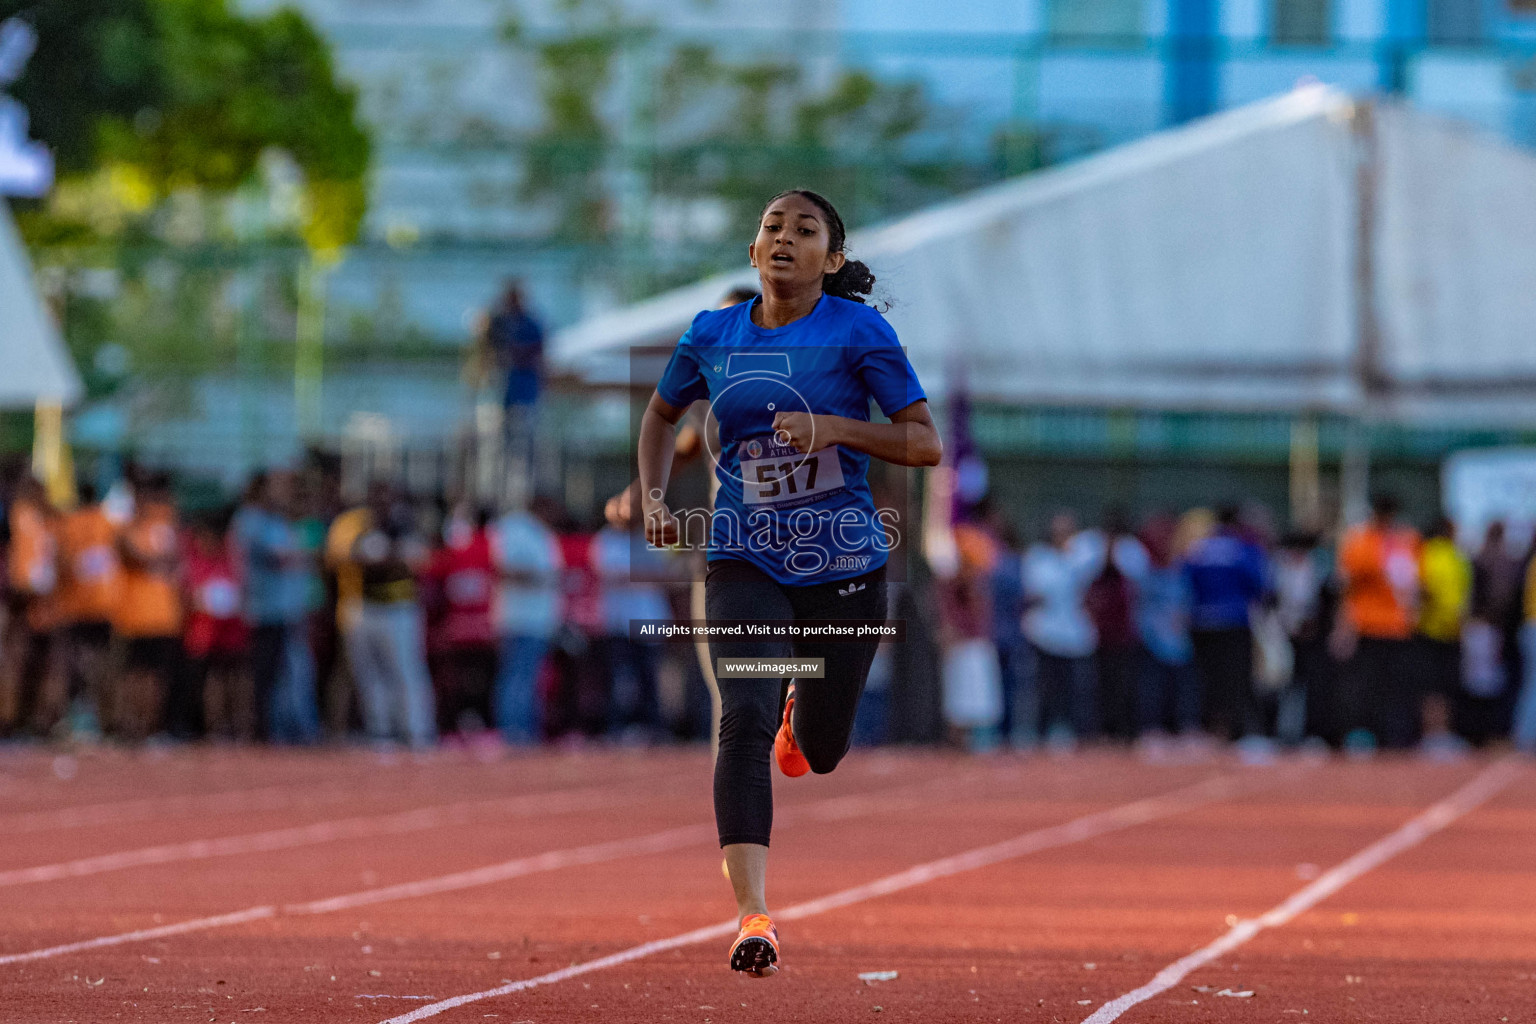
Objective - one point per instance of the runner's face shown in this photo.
(791, 248)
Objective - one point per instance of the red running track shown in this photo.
(560, 887)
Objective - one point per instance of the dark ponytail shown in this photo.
(854, 280)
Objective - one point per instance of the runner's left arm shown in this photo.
(909, 439)
(876, 358)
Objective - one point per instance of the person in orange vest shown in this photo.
(29, 654)
(148, 610)
(90, 576)
(1379, 567)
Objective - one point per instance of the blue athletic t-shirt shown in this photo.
(800, 518)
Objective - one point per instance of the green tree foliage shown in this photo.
(162, 96)
(619, 99)
(183, 132)
(566, 156)
(865, 142)
(634, 122)
(94, 67)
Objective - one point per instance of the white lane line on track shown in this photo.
(1484, 786)
(596, 853)
(144, 935)
(1077, 830)
(120, 812)
(296, 792)
(831, 809)
(417, 820)
(268, 798)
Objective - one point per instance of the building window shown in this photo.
(1300, 22)
(1457, 21)
(1095, 19)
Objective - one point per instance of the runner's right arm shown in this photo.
(658, 443)
(621, 509)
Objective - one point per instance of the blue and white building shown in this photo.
(1120, 68)
(449, 101)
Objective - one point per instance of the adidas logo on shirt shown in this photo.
(851, 589)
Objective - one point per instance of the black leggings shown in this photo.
(750, 709)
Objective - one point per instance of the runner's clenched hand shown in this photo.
(660, 524)
(802, 431)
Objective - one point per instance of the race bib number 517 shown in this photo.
(778, 475)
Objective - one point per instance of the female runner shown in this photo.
(795, 536)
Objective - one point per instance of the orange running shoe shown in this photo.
(785, 750)
(756, 951)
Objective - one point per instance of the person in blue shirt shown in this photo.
(276, 586)
(1227, 574)
(1169, 693)
(516, 343)
(510, 340)
(795, 538)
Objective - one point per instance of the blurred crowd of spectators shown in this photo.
(293, 618)
(1211, 627)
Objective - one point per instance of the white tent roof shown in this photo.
(1216, 265)
(33, 362)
